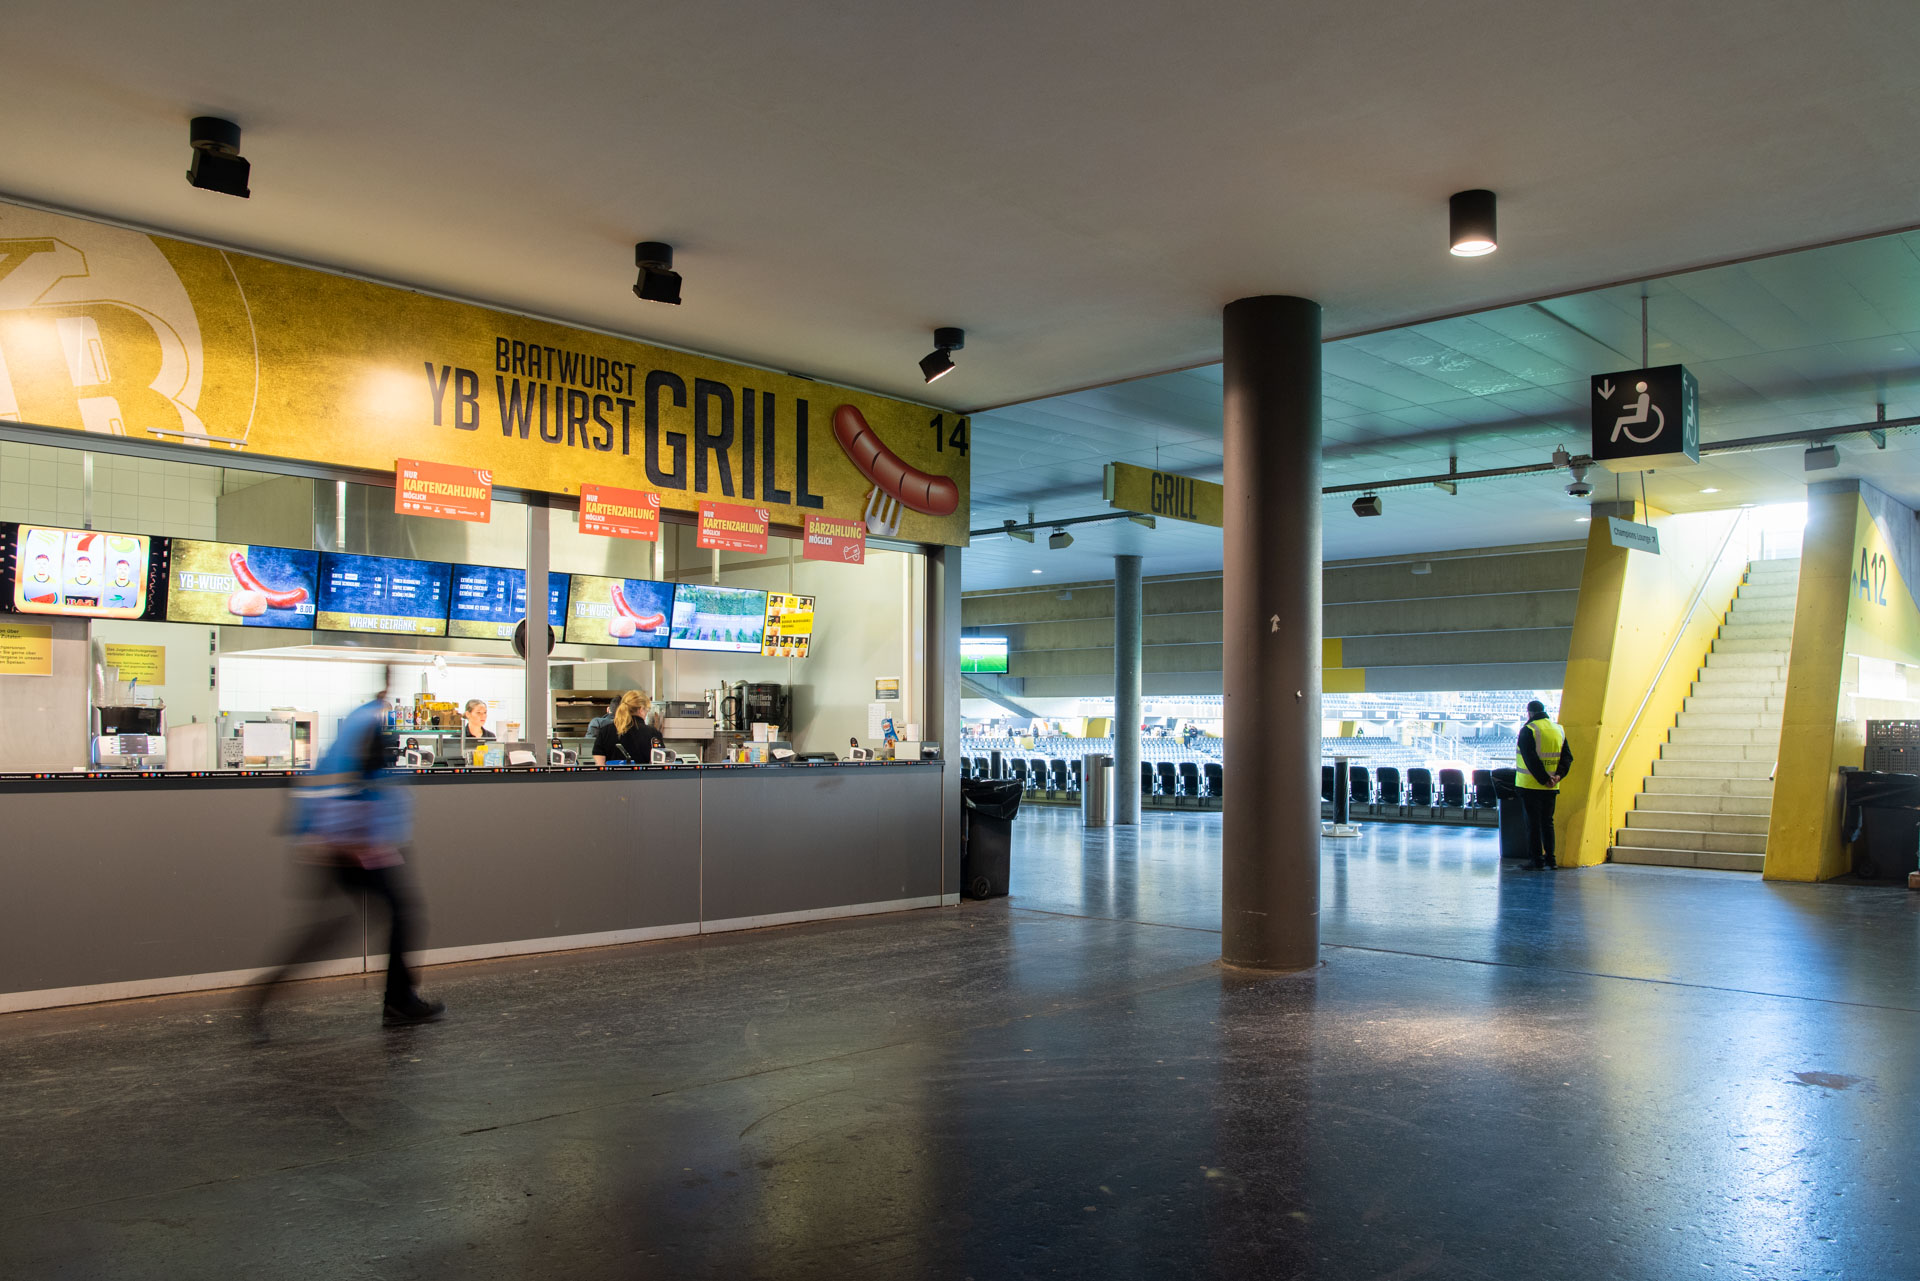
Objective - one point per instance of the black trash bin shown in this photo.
(1513, 815)
(986, 836)
(1882, 821)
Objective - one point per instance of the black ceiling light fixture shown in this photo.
(1368, 505)
(658, 282)
(217, 164)
(1472, 232)
(938, 363)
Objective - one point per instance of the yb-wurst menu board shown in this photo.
(382, 594)
(241, 585)
(619, 611)
(489, 602)
(731, 619)
(81, 572)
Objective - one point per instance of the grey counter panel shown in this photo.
(118, 886)
(557, 858)
(803, 840)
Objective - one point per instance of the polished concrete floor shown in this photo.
(1621, 1072)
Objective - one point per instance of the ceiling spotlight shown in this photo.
(1024, 535)
(1822, 457)
(658, 282)
(1470, 224)
(217, 165)
(1060, 540)
(1368, 505)
(1146, 522)
(1710, 490)
(1579, 488)
(938, 363)
(1036, 571)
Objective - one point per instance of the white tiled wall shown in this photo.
(255, 684)
(42, 484)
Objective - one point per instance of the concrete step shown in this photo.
(1663, 838)
(1726, 685)
(1730, 720)
(1711, 859)
(1746, 629)
(1694, 785)
(1776, 588)
(1717, 751)
(1753, 667)
(1767, 613)
(1694, 821)
(1733, 703)
(1744, 644)
(1668, 767)
(1695, 803)
(1771, 570)
(1687, 733)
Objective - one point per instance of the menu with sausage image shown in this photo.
(382, 594)
(241, 585)
(632, 612)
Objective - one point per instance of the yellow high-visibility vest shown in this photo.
(1548, 739)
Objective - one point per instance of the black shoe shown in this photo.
(413, 1010)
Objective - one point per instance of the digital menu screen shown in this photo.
(241, 585)
(732, 619)
(619, 611)
(789, 625)
(382, 594)
(488, 602)
(81, 572)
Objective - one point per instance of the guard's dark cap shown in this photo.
(1536, 709)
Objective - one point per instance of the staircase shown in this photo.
(1707, 801)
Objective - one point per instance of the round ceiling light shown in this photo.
(1472, 231)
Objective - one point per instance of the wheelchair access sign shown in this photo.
(1646, 418)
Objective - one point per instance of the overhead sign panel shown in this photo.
(620, 513)
(1633, 536)
(726, 527)
(1165, 493)
(1646, 418)
(422, 488)
(838, 540)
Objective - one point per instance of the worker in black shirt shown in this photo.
(627, 737)
(1541, 759)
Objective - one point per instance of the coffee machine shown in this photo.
(747, 704)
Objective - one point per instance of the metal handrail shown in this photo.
(1678, 635)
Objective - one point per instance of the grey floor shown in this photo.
(1620, 1072)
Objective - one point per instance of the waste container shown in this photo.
(1513, 815)
(1882, 822)
(986, 837)
(1096, 790)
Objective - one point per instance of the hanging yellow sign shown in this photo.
(26, 649)
(1165, 493)
(115, 332)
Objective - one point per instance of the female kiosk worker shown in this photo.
(627, 737)
(476, 713)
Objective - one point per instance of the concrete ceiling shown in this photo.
(1081, 185)
(1813, 339)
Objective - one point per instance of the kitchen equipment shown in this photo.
(130, 737)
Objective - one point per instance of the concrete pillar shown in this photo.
(539, 697)
(1126, 689)
(1270, 843)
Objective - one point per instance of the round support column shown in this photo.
(1126, 689)
(1270, 840)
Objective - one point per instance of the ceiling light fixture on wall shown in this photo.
(1059, 540)
(938, 363)
(658, 281)
(1472, 232)
(1822, 457)
(217, 165)
(1368, 505)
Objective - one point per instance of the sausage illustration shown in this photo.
(250, 583)
(928, 494)
(625, 612)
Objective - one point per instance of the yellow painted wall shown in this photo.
(1854, 599)
(1631, 606)
(1334, 678)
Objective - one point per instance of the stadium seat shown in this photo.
(1169, 778)
(1190, 779)
(1215, 779)
(1483, 789)
(1359, 785)
(1453, 789)
(1388, 778)
(1060, 783)
(1326, 783)
(1146, 779)
(1420, 787)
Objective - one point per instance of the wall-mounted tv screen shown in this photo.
(619, 611)
(242, 585)
(382, 594)
(488, 603)
(84, 573)
(732, 619)
(983, 654)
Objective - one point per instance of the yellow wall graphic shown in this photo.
(115, 332)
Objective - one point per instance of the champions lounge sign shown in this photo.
(116, 332)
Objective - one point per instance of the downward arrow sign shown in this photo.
(1606, 390)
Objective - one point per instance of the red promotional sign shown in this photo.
(729, 528)
(835, 538)
(620, 513)
(442, 490)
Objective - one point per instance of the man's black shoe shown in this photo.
(414, 1010)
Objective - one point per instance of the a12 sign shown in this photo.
(1646, 418)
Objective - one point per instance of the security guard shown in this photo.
(1541, 740)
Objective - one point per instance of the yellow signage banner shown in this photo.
(1165, 493)
(26, 649)
(120, 333)
(144, 663)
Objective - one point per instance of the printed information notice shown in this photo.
(620, 513)
(442, 490)
(728, 527)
